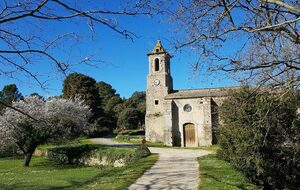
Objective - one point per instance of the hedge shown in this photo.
(82, 154)
(261, 136)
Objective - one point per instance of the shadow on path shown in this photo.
(175, 168)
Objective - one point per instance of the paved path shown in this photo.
(176, 169)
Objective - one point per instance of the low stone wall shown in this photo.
(94, 161)
(93, 155)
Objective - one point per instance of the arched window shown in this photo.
(156, 64)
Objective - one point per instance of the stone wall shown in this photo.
(200, 116)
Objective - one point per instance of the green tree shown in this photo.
(109, 98)
(77, 84)
(9, 94)
(112, 104)
(137, 100)
(136, 103)
(109, 102)
(105, 90)
(261, 136)
(129, 119)
(36, 94)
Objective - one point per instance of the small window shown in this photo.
(157, 50)
(156, 64)
(156, 102)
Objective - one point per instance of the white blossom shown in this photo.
(35, 121)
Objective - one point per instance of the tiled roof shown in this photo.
(198, 93)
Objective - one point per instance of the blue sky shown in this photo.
(124, 63)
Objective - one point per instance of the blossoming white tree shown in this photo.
(35, 121)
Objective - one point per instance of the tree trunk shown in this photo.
(27, 159)
(28, 156)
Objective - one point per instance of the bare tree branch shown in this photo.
(24, 23)
(9, 19)
(282, 4)
(264, 36)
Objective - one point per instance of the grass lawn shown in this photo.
(135, 137)
(149, 144)
(216, 174)
(45, 174)
(81, 140)
(213, 148)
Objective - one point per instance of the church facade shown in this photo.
(186, 118)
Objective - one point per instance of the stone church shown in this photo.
(184, 118)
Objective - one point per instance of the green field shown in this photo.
(216, 174)
(46, 174)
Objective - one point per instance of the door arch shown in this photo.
(189, 134)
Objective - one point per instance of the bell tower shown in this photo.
(159, 84)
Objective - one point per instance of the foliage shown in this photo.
(45, 174)
(138, 101)
(106, 91)
(70, 154)
(82, 86)
(219, 174)
(110, 111)
(9, 94)
(112, 104)
(132, 112)
(135, 135)
(137, 141)
(36, 94)
(102, 125)
(8, 150)
(78, 85)
(77, 154)
(142, 151)
(34, 121)
(210, 28)
(123, 137)
(129, 118)
(261, 136)
(109, 104)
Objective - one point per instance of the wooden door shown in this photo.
(189, 134)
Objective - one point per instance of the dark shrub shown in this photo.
(9, 150)
(261, 136)
(76, 154)
(70, 154)
(129, 118)
(142, 151)
(123, 137)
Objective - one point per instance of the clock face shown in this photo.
(156, 82)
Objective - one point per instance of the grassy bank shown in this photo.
(44, 174)
(136, 136)
(216, 174)
(212, 148)
(138, 142)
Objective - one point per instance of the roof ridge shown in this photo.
(229, 87)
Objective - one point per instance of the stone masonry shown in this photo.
(178, 117)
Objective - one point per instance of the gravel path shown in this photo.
(176, 169)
